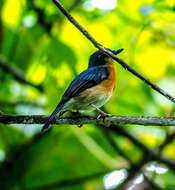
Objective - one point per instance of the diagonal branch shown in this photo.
(18, 75)
(108, 52)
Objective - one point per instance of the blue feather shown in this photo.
(48, 122)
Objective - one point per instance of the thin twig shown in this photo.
(18, 74)
(108, 52)
(113, 120)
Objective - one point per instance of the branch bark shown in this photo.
(108, 52)
(112, 120)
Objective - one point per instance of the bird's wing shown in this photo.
(87, 79)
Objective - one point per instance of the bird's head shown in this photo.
(100, 59)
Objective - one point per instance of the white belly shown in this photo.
(83, 102)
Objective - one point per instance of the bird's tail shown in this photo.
(48, 122)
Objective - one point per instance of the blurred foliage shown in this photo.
(53, 56)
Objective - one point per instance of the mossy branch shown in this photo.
(112, 120)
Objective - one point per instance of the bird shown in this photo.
(91, 89)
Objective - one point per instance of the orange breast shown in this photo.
(99, 94)
(109, 84)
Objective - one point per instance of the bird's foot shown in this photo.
(102, 113)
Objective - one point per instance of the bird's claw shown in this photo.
(103, 115)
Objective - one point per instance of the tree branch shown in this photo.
(112, 120)
(18, 75)
(108, 52)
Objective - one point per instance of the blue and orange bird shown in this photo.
(91, 89)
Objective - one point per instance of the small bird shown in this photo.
(91, 89)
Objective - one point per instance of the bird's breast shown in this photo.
(101, 93)
(97, 95)
(109, 83)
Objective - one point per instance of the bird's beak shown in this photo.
(117, 51)
(109, 59)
